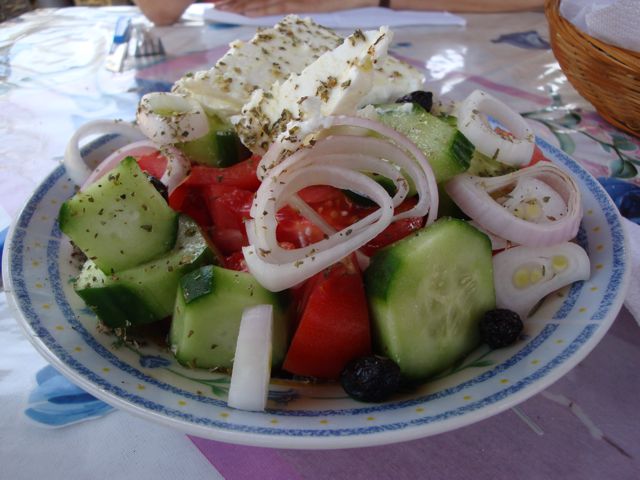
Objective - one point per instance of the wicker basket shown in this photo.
(607, 76)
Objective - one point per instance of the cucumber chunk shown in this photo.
(484, 166)
(206, 319)
(145, 293)
(447, 149)
(121, 221)
(427, 293)
(221, 147)
(446, 206)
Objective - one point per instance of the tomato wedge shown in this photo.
(537, 156)
(228, 211)
(334, 325)
(396, 230)
(236, 261)
(192, 195)
(153, 163)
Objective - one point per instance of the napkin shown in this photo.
(612, 21)
(371, 17)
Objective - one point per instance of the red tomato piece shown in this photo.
(332, 204)
(153, 163)
(236, 261)
(228, 241)
(241, 175)
(228, 212)
(190, 201)
(334, 326)
(329, 202)
(195, 191)
(296, 230)
(537, 156)
(320, 193)
(396, 230)
(231, 209)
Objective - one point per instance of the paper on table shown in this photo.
(371, 17)
(612, 21)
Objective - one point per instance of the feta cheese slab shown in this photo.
(275, 53)
(270, 56)
(334, 84)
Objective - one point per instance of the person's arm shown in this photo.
(163, 12)
(272, 7)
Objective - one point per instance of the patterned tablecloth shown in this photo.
(52, 80)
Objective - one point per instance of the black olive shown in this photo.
(159, 186)
(422, 98)
(500, 327)
(370, 379)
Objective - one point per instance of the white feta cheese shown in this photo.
(392, 80)
(275, 53)
(270, 56)
(337, 82)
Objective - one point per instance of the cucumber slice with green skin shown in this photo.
(447, 149)
(384, 182)
(146, 293)
(447, 207)
(120, 221)
(484, 166)
(221, 147)
(427, 293)
(207, 316)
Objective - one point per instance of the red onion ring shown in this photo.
(473, 195)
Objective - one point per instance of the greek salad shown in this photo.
(306, 208)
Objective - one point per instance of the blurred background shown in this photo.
(13, 8)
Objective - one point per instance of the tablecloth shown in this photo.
(52, 79)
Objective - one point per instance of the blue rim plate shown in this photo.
(147, 381)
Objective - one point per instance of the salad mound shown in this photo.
(299, 208)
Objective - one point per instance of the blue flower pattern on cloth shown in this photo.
(530, 40)
(625, 195)
(56, 402)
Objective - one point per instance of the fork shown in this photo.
(147, 44)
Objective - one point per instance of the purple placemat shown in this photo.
(585, 426)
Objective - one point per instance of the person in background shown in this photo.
(168, 12)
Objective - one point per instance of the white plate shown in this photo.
(147, 381)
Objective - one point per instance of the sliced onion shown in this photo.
(169, 118)
(314, 217)
(178, 167)
(339, 161)
(277, 268)
(515, 149)
(136, 149)
(534, 200)
(75, 165)
(497, 243)
(474, 195)
(424, 179)
(525, 275)
(249, 385)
